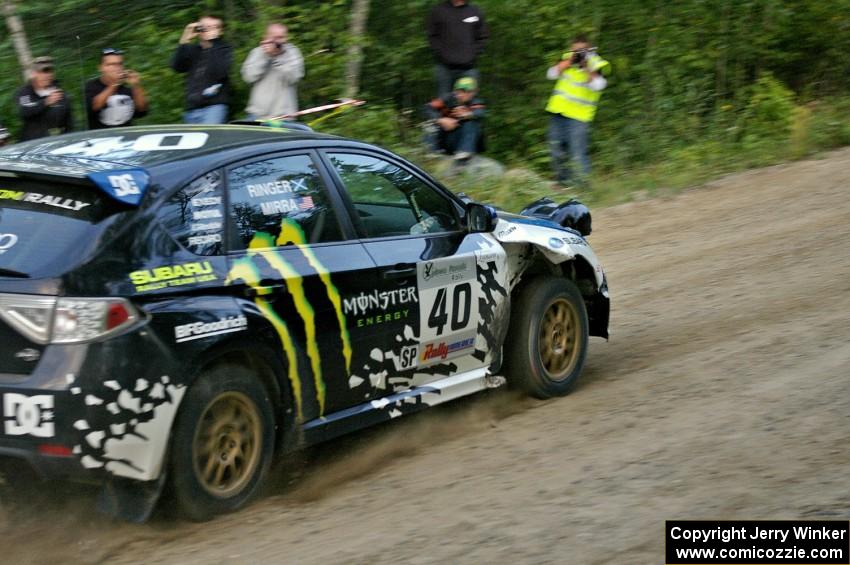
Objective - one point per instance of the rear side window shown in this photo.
(47, 227)
(267, 194)
(194, 216)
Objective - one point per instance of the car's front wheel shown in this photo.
(547, 342)
(223, 442)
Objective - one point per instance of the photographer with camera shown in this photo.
(273, 69)
(581, 80)
(42, 105)
(116, 97)
(455, 121)
(207, 67)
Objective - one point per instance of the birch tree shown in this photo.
(19, 36)
(354, 62)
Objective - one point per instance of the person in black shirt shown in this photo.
(207, 67)
(42, 105)
(115, 98)
(457, 33)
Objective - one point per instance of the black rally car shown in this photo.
(182, 302)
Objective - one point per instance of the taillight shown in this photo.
(66, 320)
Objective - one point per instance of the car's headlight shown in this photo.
(66, 320)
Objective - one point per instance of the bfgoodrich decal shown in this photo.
(198, 330)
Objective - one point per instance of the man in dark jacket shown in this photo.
(455, 121)
(207, 68)
(457, 33)
(42, 105)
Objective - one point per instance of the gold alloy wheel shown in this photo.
(227, 445)
(559, 339)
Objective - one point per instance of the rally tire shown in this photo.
(548, 337)
(223, 442)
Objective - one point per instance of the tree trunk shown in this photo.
(19, 37)
(356, 31)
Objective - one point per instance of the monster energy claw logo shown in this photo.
(245, 269)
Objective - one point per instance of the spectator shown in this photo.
(573, 107)
(456, 121)
(42, 105)
(116, 97)
(207, 67)
(457, 33)
(274, 69)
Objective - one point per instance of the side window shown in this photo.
(265, 195)
(194, 216)
(390, 200)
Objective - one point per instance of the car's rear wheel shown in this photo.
(548, 336)
(223, 442)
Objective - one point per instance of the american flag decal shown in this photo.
(306, 203)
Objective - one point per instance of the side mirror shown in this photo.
(480, 218)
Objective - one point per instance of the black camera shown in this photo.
(579, 57)
(200, 29)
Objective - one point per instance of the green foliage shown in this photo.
(698, 87)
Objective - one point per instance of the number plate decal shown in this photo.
(448, 302)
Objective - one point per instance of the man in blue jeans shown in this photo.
(455, 121)
(207, 67)
(580, 76)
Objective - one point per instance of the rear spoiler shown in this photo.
(124, 185)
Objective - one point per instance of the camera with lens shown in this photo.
(579, 57)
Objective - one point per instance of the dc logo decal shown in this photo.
(124, 185)
(28, 415)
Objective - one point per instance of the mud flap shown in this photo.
(129, 500)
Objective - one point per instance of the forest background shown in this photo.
(699, 87)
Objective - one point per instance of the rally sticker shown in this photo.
(45, 199)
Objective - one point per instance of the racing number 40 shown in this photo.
(459, 309)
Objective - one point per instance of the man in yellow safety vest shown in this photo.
(581, 80)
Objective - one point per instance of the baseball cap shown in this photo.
(466, 83)
(42, 64)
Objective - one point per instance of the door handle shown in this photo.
(400, 272)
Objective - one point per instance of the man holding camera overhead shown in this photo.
(273, 69)
(116, 97)
(581, 80)
(207, 67)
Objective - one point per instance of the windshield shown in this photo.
(47, 227)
